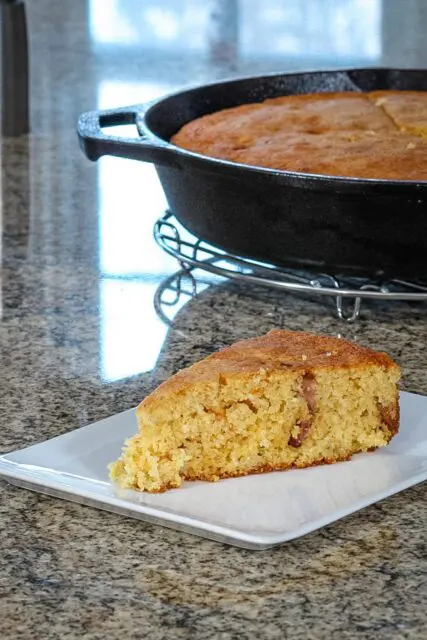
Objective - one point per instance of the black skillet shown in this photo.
(339, 225)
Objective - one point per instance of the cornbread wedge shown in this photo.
(285, 399)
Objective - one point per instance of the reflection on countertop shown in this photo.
(81, 337)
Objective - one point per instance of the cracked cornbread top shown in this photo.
(378, 135)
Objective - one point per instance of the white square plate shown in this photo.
(254, 512)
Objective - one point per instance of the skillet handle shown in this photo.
(95, 143)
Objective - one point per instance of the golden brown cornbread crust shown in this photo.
(258, 469)
(380, 135)
(277, 349)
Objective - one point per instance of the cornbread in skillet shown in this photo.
(380, 135)
(306, 153)
(285, 399)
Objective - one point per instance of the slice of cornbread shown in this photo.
(285, 399)
(406, 109)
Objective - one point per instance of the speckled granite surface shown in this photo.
(80, 340)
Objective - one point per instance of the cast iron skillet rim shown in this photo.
(318, 177)
(145, 131)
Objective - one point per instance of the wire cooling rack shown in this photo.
(193, 253)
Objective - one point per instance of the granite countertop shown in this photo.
(80, 339)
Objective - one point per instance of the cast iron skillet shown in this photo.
(339, 225)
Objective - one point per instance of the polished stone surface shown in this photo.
(80, 338)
